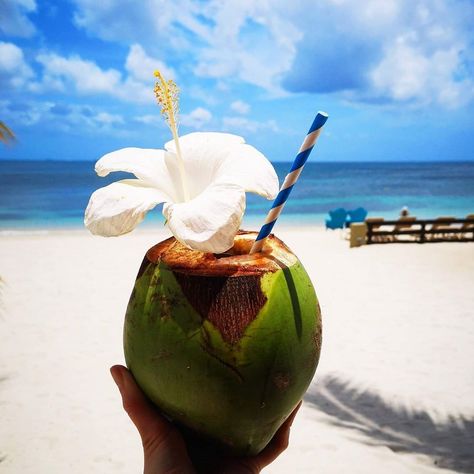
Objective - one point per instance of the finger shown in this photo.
(150, 424)
(279, 442)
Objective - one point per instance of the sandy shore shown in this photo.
(394, 392)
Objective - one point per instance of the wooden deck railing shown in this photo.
(422, 230)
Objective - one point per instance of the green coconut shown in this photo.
(225, 345)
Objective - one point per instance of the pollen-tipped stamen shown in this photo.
(167, 96)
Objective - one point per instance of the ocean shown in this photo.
(53, 194)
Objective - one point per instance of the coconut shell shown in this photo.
(225, 345)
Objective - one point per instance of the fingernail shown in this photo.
(116, 373)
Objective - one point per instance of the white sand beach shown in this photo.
(394, 391)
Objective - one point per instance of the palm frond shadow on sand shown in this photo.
(450, 444)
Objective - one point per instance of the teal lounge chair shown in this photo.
(337, 219)
(357, 215)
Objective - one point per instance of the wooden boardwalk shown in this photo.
(380, 231)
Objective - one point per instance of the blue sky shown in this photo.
(395, 76)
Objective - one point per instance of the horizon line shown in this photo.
(401, 160)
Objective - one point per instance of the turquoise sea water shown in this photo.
(54, 194)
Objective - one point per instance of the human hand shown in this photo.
(164, 447)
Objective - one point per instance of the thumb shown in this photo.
(152, 426)
(279, 442)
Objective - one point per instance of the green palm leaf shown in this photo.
(6, 135)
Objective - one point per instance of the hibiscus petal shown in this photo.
(210, 221)
(249, 168)
(203, 154)
(211, 156)
(198, 141)
(118, 208)
(146, 164)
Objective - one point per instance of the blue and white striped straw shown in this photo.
(290, 180)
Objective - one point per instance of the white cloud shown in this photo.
(243, 124)
(408, 74)
(31, 113)
(14, 19)
(249, 40)
(135, 91)
(14, 71)
(200, 94)
(108, 119)
(141, 66)
(197, 118)
(88, 78)
(60, 73)
(211, 33)
(240, 107)
(62, 116)
(150, 119)
(402, 73)
(395, 51)
(11, 57)
(304, 46)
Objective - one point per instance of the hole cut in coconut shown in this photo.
(242, 245)
(236, 261)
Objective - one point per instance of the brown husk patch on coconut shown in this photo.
(225, 288)
(229, 303)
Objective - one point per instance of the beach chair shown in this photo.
(403, 223)
(376, 222)
(468, 227)
(442, 223)
(337, 219)
(357, 215)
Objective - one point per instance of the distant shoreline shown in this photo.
(312, 161)
(146, 228)
(156, 223)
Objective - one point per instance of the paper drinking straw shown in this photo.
(290, 180)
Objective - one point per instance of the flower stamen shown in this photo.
(167, 96)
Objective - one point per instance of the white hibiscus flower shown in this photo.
(219, 168)
(201, 177)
